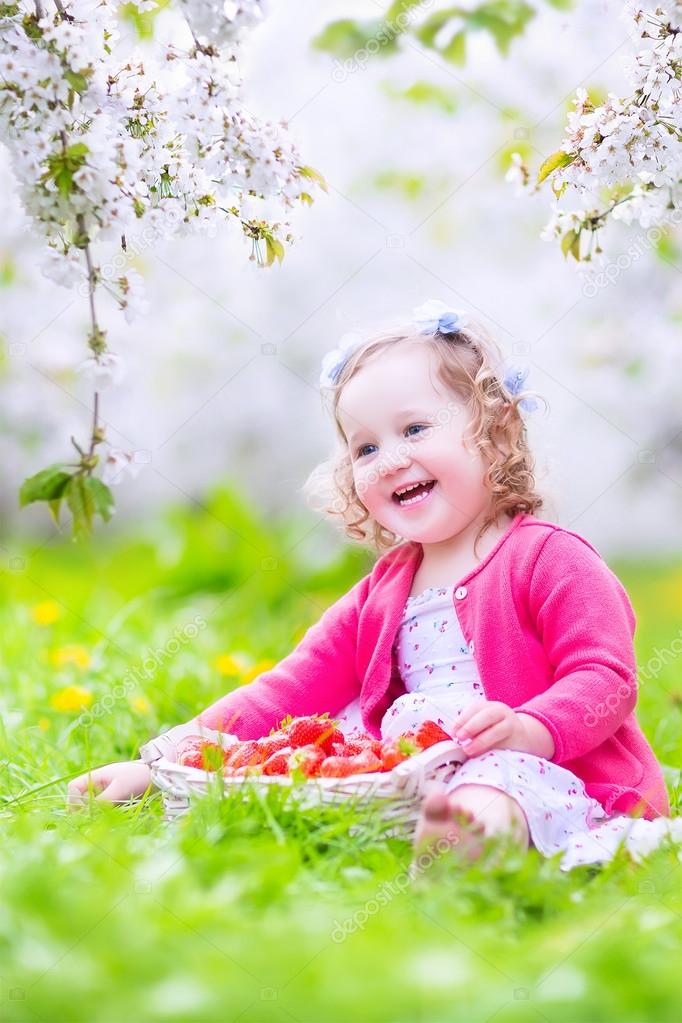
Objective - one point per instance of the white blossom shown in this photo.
(105, 370)
(110, 141)
(623, 158)
(119, 464)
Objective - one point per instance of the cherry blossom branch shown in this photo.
(107, 145)
(623, 158)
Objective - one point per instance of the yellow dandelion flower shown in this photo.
(256, 669)
(140, 705)
(43, 724)
(74, 654)
(46, 613)
(230, 664)
(71, 698)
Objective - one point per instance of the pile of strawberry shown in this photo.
(309, 747)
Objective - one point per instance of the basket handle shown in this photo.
(411, 776)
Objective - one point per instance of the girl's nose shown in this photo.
(394, 458)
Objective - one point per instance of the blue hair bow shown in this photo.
(514, 381)
(435, 316)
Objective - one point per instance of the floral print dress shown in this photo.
(441, 678)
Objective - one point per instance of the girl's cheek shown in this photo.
(366, 487)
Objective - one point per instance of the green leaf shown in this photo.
(429, 29)
(456, 50)
(102, 497)
(47, 485)
(666, 249)
(410, 185)
(7, 270)
(425, 93)
(77, 152)
(503, 19)
(82, 506)
(274, 250)
(401, 7)
(313, 175)
(553, 162)
(77, 80)
(570, 243)
(143, 21)
(345, 37)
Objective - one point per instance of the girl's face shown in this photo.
(404, 427)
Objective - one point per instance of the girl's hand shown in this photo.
(487, 724)
(115, 783)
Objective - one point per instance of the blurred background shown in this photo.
(213, 567)
(221, 387)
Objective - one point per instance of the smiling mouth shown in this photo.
(413, 493)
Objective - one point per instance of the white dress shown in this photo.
(441, 678)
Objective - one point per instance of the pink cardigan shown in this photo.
(551, 630)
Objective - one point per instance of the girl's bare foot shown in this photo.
(442, 823)
(463, 821)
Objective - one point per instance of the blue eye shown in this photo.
(421, 427)
(361, 451)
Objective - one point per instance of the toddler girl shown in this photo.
(509, 631)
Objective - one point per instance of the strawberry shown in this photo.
(351, 747)
(307, 760)
(342, 749)
(278, 762)
(395, 751)
(194, 751)
(309, 731)
(336, 767)
(246, 754)
(366, 762)
(272, 744)
(429, 733)
(368, 742)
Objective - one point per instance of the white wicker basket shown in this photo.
(399, 792)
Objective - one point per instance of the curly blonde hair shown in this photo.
(466, 365)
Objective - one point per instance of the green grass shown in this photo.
(255, 910)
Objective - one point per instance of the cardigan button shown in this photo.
(471, 647)
(461, 592)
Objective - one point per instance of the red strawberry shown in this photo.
(333, 739)
(194, 751)
(395, 751)
(336, 767)
(352, 747)
(278, 762)
(429, 733)
(246, 754)
(366, 762)
(341, 749)
(307, 760)
(367, 742)
(272, 744)
(309, 731)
